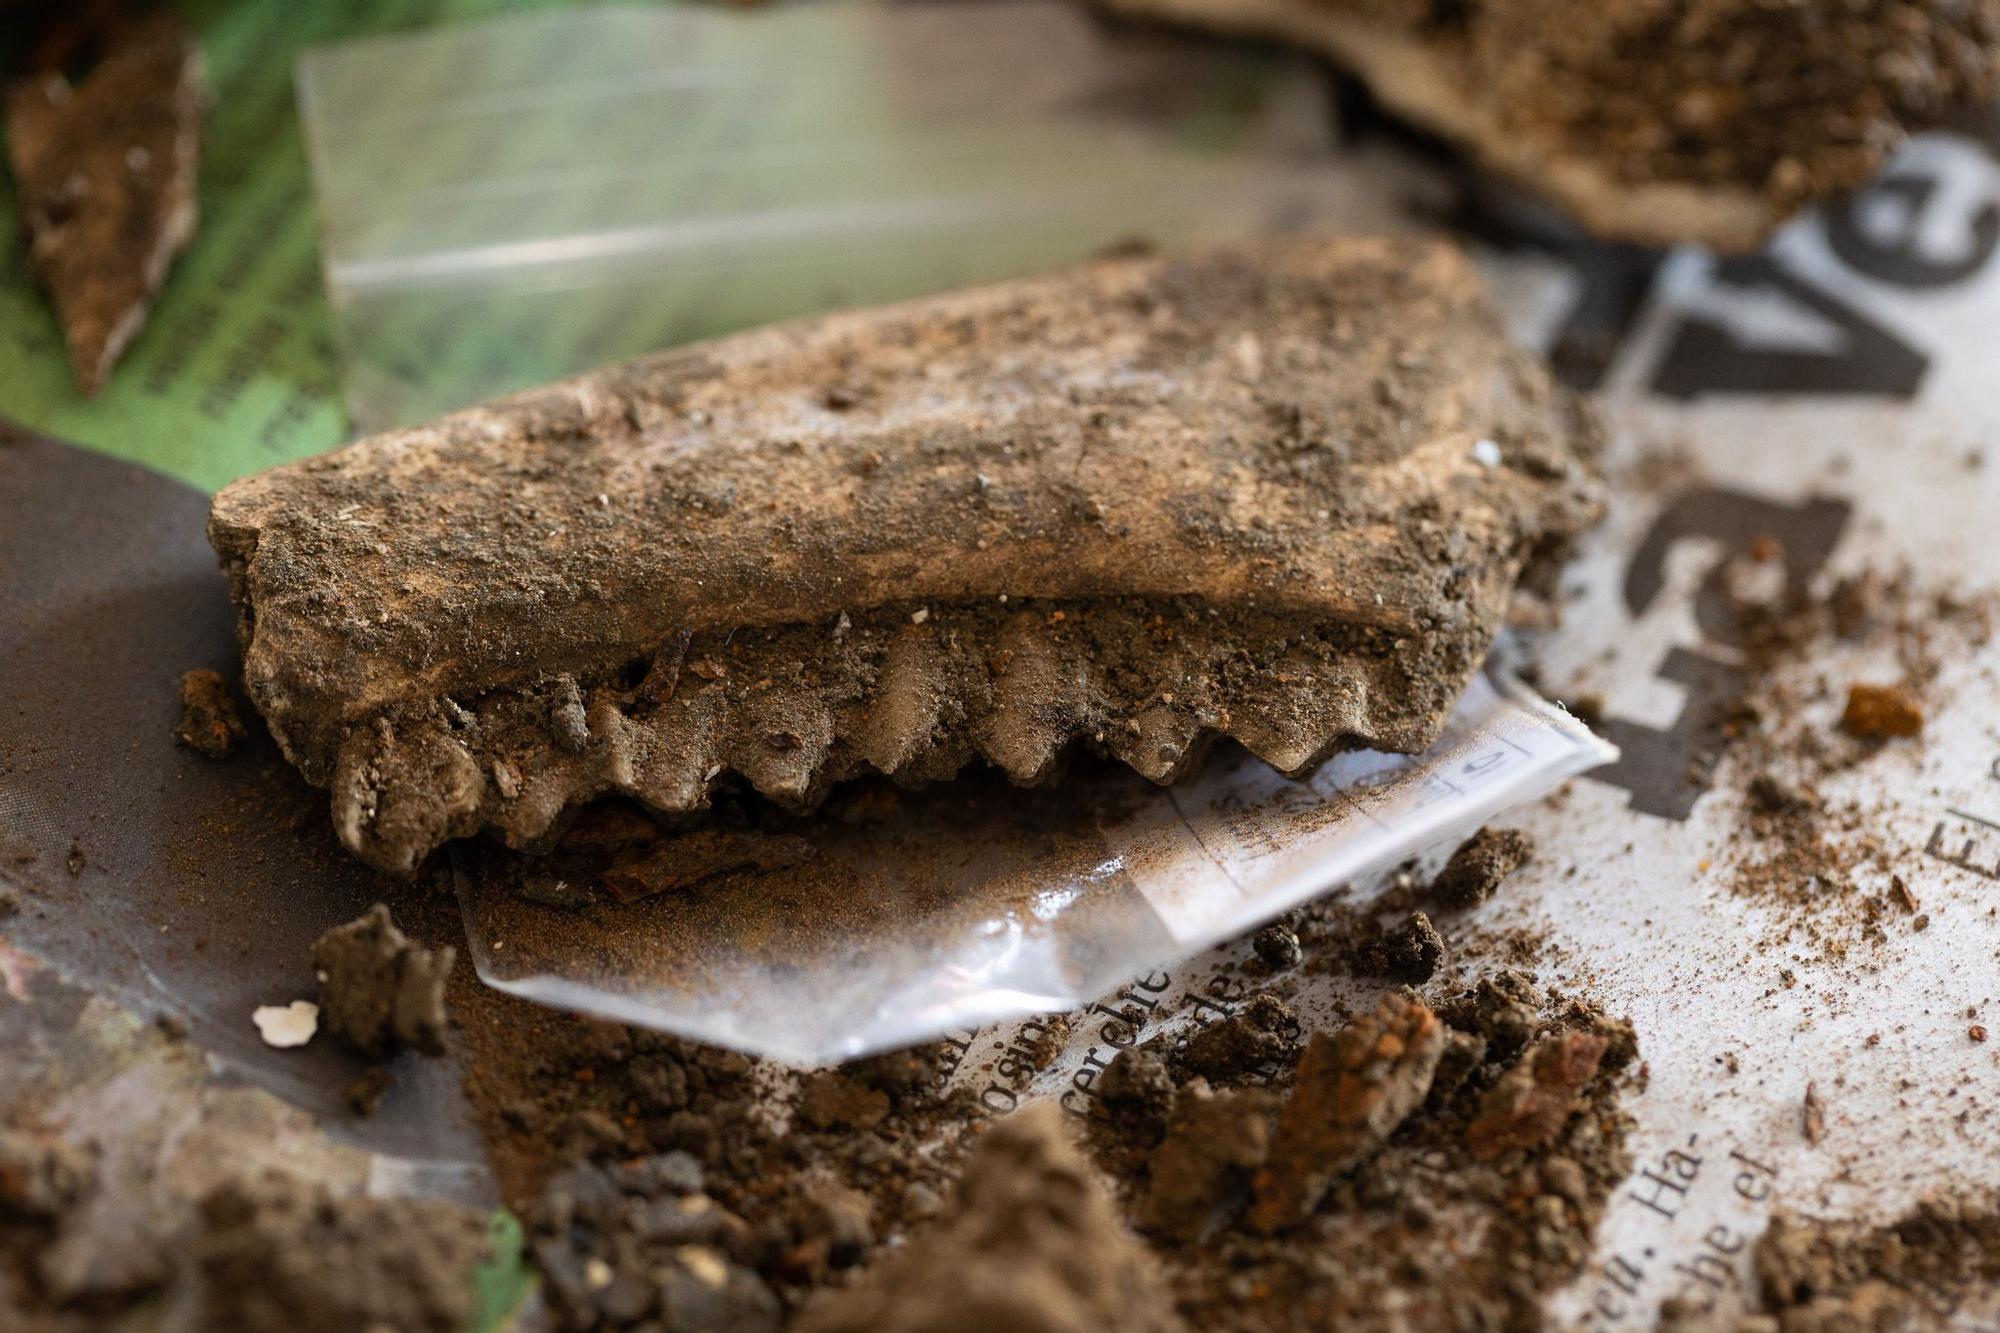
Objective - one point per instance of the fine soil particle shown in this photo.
(210, 722)
(1881, 712)
(1033, 1243)
(1819, 1277)
(280, 1256)
(1480, 865)
(378, 990)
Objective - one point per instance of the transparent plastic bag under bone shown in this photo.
(899, 917)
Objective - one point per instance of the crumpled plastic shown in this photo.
(972, 902)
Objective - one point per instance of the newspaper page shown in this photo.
(1833, 401)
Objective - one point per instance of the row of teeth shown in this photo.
(936, 701)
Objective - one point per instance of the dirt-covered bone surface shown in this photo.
(1283, 494)
(1652, 121)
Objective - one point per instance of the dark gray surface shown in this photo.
(203, 882)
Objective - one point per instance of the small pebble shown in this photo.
(1277, 946)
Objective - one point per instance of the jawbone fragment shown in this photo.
(1282, 494)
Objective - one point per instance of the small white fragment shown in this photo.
(842, 625)
(287, 1025)
(1486, 454)
(705, 1264)
(596, 1274)
(1249, 355)
(920, 615)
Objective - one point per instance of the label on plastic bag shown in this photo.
(1234, 849)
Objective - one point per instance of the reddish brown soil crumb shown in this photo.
(1812, 1115)
(831, 1100)
(1034, 1243)
(1350, 1093)
(1533, 1100)
(378, 990)
(1880, 712)
(209, 721)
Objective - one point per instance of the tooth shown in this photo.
(1160, 743)
(398, 790)
(1291, 721)
(1039, 700)
(676, 761)
(907, 704)
(780, 742)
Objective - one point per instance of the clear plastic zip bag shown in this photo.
(893, 917)
(548, 192)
